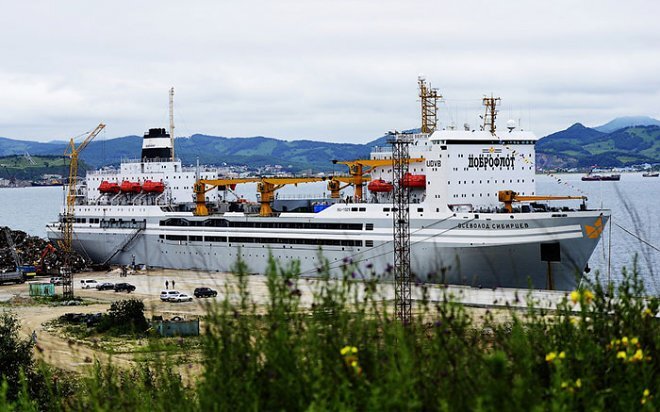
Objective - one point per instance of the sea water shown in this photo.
(634, 202)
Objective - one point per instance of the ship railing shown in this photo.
(300, 196)
(154, 160)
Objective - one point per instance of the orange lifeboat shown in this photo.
(414, 181)
(153, 187)
(130, 187)
(107, 187)
(380, 186)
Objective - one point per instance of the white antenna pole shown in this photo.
(172, 120)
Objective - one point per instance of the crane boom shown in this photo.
(509, 196)
(265, 185)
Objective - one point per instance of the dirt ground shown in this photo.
(73, 355)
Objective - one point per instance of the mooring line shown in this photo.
(657, 249)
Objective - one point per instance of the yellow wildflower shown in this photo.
(588, 296)
(624, 340)
(647, 313)
(562, 355)
(564, 384)
(634, 341)
(621, 355)
(354, 364)
(354, 349)
(646, 392)
(638, 356)
(578, 383)
(550, 356)
(575, 296)
(345, 350)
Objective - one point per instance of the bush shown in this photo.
(125, 316)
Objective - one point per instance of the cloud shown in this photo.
(339, 71)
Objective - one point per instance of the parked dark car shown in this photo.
(124, 287)
(105, 286)
(205, 293)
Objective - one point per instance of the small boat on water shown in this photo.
(590, 177)
(650, 174)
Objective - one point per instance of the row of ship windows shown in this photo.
(264, 225)
(480, 194)
(267, 240)
(140, 177)
(495, 181)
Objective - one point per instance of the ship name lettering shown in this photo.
(494, 226)
(434, 163)
(483, 161)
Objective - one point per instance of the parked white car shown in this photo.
(181, 297)
(165, 295)
(88, 283)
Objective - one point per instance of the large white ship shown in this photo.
(460, 230)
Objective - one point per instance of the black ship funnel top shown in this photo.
(156, 145)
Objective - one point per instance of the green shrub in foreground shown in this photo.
(599, 350)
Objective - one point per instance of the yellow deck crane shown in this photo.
(335, 184)
(358, 168)
(72, 153)
(266, 186)
(509, 196)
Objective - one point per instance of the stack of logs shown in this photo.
(30, 248)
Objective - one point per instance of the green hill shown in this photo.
(20, 167)
(582, 147)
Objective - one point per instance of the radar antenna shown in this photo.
(172, 121)
(491, 112)
(429, 98)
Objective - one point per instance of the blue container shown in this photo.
(318, 208)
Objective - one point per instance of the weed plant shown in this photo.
(343, 350)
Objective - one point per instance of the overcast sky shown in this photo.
(342, 71)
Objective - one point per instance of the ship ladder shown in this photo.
(126, 243)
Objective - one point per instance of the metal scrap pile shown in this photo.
(30, 249)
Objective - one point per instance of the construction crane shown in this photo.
(358, 168)
(72, 153)
(266, 186)
(509, 196)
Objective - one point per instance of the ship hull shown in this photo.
(538, 250)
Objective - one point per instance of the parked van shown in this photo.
(165, 295)
(88, 283)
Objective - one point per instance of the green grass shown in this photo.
(347, 352)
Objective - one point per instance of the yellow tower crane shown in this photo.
(358, 168)
(72, 153)
(266, 186)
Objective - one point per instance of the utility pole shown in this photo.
(401, 202)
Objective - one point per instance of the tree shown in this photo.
(15, 354)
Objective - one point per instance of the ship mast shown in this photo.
(429, 98)
(491, 112)
(172, 121)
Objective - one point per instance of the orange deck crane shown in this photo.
(266, 186)
(509, 196)
(358, 168)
